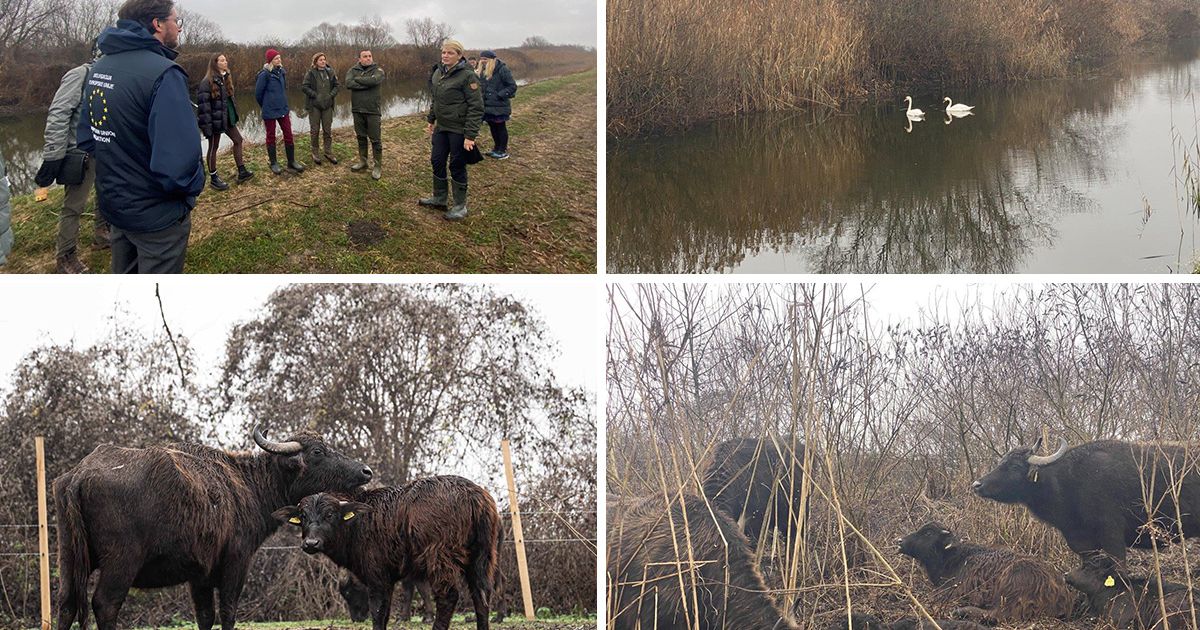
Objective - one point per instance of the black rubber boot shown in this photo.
(243, 174)
(273, 156)
(215, 181)
(441, 190)
(361, 164)
(293, 165)
(458, 212)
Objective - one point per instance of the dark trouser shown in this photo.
(449, 144)
(73, 206)
(366, 127)
(214, 144)
(151, 252)
(285, 124)
(321, 121)
(499, 136)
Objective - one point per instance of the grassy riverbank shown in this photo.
(532, 213)
(674, 63)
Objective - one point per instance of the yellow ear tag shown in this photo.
(347, 516)
(1110, 581)
(294, 519)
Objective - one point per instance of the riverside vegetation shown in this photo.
(533, 213)
(671, 64)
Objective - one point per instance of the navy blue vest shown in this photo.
(118, 94)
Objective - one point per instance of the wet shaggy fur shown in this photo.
(756, 483)
(648, 589)
(1093, 493)
(1012, 587)
(862, 621)
(438, 529)
(160, 516)
(1131, 602)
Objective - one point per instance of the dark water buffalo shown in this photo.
(756, 483)
(717, 576)
(160, 516)
(1093, 493)
(1130, 602)
(1007, 586)
(437, 529)
(862, 621)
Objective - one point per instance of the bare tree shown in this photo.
(25, 21)
(84, 19)
(536, 41)
(426, 34)
(374, 33)
(199, 31)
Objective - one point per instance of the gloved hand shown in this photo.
(48, 172)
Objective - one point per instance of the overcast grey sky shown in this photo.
(494, 24)
(204, 308)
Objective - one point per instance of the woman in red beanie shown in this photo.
(270, 90)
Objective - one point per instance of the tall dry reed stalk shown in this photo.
(675, 62)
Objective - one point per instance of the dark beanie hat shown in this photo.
(488, 53)
(271, 54)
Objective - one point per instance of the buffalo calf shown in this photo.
(687, 567)
(1009, 586)
(437, 529)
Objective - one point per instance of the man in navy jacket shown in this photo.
(137, 121)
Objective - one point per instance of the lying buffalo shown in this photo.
(1129, 602)
(1007, 586)
(684, 568)
(165, 515)
(438, 529)
(1093, 493)
(756, 481)
(862, 621)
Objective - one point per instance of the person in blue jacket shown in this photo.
(270, 90)
(137, 121)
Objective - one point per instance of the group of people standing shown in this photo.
(121, 115)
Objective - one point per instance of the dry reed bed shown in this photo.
(671, 64)
(897, 421)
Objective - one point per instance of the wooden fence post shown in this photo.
(43, 533)
(518, 537)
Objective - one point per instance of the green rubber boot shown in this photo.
(441, 190)
(459, 211)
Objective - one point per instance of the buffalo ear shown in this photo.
(351, 509)
(289, 514)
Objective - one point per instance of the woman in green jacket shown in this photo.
(455, 113)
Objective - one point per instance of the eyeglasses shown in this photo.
(178, 20)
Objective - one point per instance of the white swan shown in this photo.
(910, 112)
(956, 108)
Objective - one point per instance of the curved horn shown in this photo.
(1042, 460)
(279, 448)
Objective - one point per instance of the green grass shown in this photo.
(532, 213)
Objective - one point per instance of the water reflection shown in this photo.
(1045, 176)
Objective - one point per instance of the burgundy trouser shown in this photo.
(285, 124)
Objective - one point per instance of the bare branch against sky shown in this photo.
(496, 24)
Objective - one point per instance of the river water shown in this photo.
(1063, 176)
(21, 137)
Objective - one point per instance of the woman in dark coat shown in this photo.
(455, 113)
(270, 91)
(498, 89)
(218, 115)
